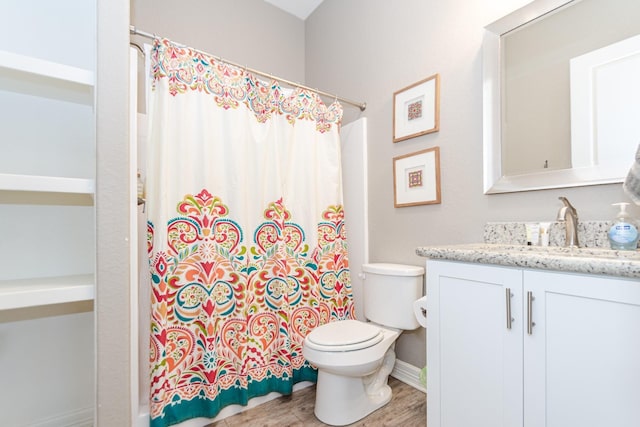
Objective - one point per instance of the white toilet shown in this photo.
(354, 358)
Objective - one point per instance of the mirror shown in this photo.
(561, 96)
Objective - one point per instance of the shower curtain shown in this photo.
(246, 238)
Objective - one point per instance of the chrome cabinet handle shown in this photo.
(508, 296)
(530, 322)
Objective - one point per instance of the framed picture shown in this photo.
(416, 109)
(416, 178)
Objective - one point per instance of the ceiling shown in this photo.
(300, 8)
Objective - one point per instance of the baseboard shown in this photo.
(79, 418)
(143, 417)
(408, 374)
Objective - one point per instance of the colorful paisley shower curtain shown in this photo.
(246, 238)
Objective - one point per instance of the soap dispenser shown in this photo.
(623, 234)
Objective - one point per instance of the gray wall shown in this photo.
(366, 50)
(248, 32)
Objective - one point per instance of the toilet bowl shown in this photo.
(352, 376)
(354, 358)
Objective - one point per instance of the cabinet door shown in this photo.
(474, 361)
(582, 360)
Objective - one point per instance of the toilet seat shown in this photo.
(345, 335)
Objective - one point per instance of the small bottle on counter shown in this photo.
(623, 235)
(533, 233)
(544, 233)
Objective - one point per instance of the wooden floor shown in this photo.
(406, 409)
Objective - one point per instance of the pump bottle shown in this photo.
(623, 235)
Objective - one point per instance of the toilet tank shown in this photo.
(389, 293)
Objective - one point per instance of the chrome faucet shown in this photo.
(569, 216)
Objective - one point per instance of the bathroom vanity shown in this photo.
(531, 336)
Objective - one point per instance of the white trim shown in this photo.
(599, 137)
(143, 417)
(408, 374)
(47, 69)
(493, 179)
(32, 292)
(134, 326)
(78, 418)
(50, 184)
(353, 138)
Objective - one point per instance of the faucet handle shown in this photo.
(567, 204)
(562, 213)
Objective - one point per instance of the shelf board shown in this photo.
(48, 184)
(43, 291)
(47, 69)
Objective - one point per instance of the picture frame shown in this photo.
(416, 178)
(416, 109)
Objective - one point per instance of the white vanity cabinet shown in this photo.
(568, 354)
(582, 359)
(474, 360)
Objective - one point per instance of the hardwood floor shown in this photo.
(407, 409)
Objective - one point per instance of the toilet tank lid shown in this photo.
(393, 269)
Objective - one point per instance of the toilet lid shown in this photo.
(345, 335)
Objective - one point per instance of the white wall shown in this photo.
(47, 365)
(374, 48)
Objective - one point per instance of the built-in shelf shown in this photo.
(48, 241)
(43, 291)
(48, 184)
(46, 69)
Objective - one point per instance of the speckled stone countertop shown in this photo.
(591, 234)
(593, 258)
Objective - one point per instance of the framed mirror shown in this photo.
(561, 95)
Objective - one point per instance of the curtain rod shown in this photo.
(361, 105)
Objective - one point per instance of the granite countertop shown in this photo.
(589, 260)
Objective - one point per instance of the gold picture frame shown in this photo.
(416, 109)
(416, 178)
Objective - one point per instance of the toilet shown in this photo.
(354, 358)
